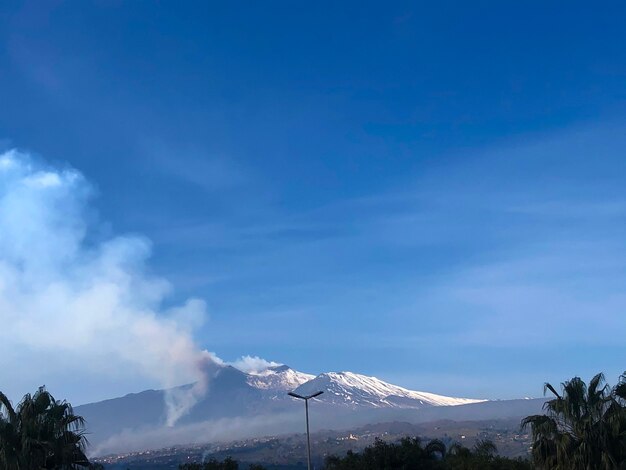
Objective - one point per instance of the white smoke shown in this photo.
(253, 364)
(62, 295)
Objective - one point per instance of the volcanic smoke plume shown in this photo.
(83, 304)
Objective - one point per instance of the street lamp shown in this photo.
(306, 407)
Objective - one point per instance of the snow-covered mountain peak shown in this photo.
(352, 389)
(279, 378)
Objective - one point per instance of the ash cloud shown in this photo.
(68, 304)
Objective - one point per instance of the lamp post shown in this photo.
(306, 407)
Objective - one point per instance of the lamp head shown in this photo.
(295, 395)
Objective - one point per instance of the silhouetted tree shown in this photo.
(481, 457)
(584, 427)
(407, 454)
(41, 433)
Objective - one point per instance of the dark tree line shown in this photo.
(227, 464)
(412, 454)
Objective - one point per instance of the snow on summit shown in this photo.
(340, 388)
(279, 378)
(355, 390)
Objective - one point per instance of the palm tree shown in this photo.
(435, 449)
(584, 427)
(485, 448)
(9, 438)
(41, 433)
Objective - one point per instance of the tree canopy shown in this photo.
(41, 433)
(583, 428)
(412, 454)
(227, 464)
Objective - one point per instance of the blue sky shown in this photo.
(430, 193)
